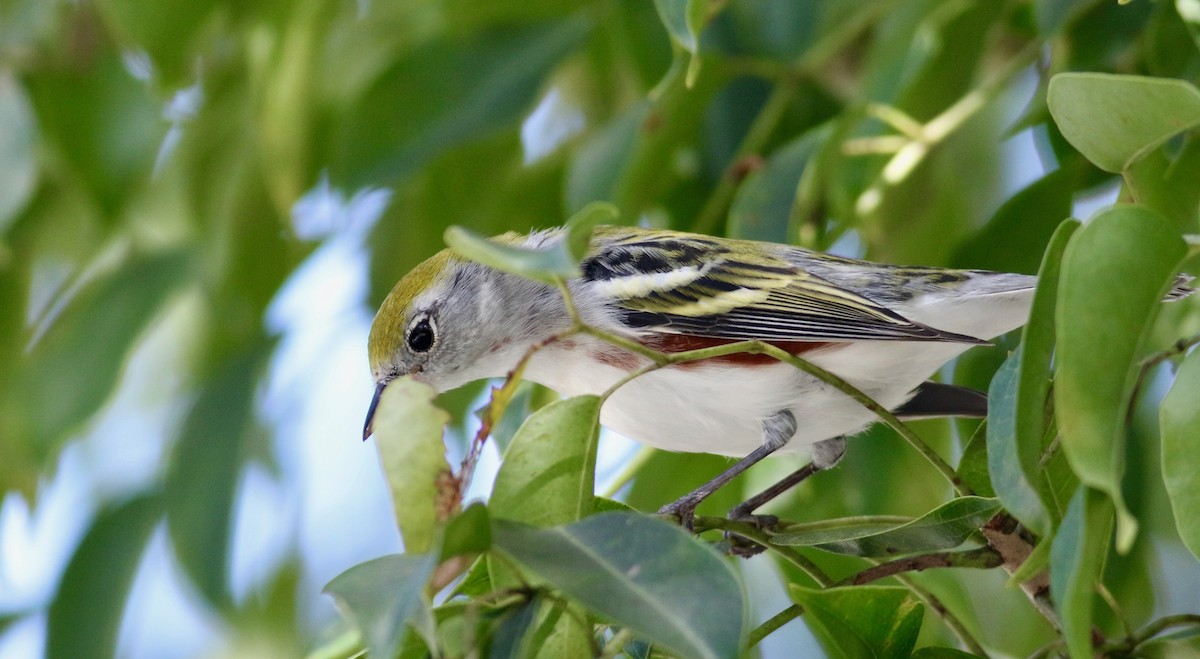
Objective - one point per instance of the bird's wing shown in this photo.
(699, 286)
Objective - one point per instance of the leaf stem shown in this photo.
(773, 623)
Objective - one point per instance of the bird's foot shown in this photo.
(741, 545)
(684, 509)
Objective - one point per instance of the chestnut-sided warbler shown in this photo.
(882, 328)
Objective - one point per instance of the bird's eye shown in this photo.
(420, 336)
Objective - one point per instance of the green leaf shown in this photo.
(509, 641)
(548, 473)
(597, 166)
(679, 17)
(1190, 13)
(1052, 15)
(469, 532)
(1164, 184)
(1187, 646)
(1035, 372)
(580, 225)
(85, 616)
(446, 92)
(641, 572)
(559, 631)
(762, 207)
(945, 527)
(1180, 428)
(1076, 563)
(1015, 489)
(684, 20)
(1017, 235)
(972, 466)
(408, 435)
(383, 597)
(167, 33)
(1114, 273)
(550, 264)
(74, 367)
(863, 621)
(1115, 120)
(203, 474)
(18, 160)
(931, 652)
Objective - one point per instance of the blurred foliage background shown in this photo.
(201, 202)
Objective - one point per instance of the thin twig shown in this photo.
(755, 534)
(983, 557)
(1178, 348)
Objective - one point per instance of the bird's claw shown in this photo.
(683, 510)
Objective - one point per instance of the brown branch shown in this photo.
(1002, 535)
(982, 558)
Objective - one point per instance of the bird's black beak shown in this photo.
(371, 410)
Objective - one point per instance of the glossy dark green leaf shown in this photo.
(762, 207)
(556, 262)
(1127, 253)
(548, 473)
(17, 157)
(1019, 232)
(204, 472)
(408, 434)
(509, 638)
(944, 527)
(640, 572)
(1180, 427)
(86, 612)
(1076, 562)
(862, 621)
(559, 630)
(74, 367)
(1116, 120)
(384, 597)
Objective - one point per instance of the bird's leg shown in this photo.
(826, 454)
(777, 430)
